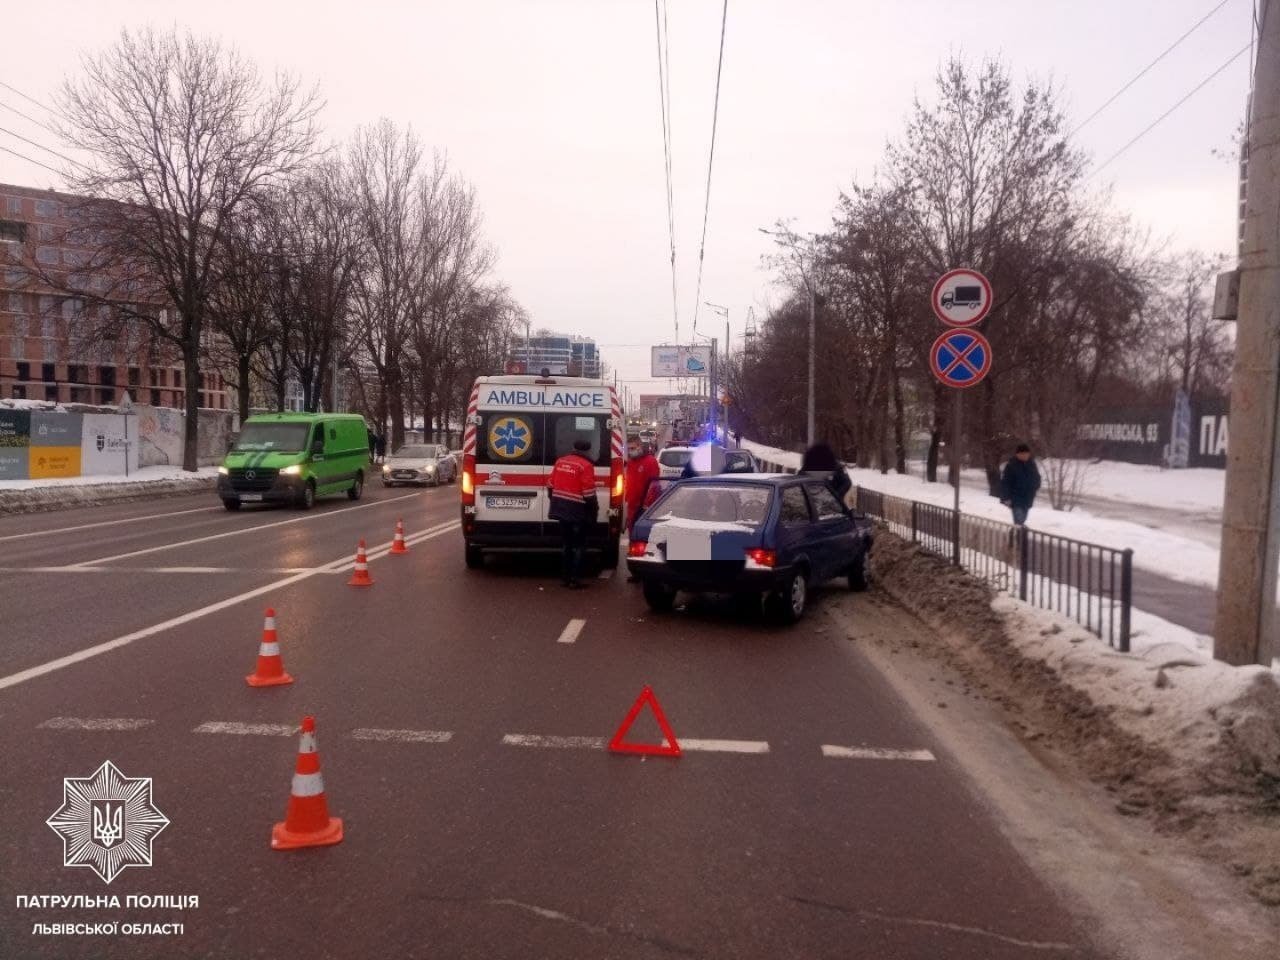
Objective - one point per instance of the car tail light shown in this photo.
(636, 548)
(760, 557)
(469, 480)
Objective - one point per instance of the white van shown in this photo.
(516, 429)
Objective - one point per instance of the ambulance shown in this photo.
(516, 428)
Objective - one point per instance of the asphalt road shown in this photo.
(461, 721)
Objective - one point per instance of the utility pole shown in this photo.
(1245, 628)
(809, 434)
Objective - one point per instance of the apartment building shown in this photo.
(55, 348)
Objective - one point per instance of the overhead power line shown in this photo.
(1154, 123)
(664, 102)
(23, 156)
(1143, 72)
(28, 117)
(711, 156)
(40, 146)
(29, 98)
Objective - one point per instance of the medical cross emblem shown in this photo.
(510, 438)
(107, 822)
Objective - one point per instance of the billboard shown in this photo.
(106, 446)
(681, 362)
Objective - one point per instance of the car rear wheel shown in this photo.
(357, 487)
(232, 505)
(858, 575)
(659, 597)
(787, 605)
(307, 497)
(474, 557)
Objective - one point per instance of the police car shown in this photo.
(516, 429)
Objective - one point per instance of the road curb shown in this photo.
(44, 499)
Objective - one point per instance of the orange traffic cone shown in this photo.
(398, 544)
(360, 576)
(270, 669)
(307, 822)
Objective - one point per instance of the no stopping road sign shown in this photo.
(960, 357)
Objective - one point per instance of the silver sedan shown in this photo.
(420, 463)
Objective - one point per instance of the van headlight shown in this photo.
(386, 469)
(223, 471)
(292, 471)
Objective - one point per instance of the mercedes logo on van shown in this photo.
(250, 474)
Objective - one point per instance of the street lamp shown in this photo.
(724, 312)
(792, 241)
(712, 412)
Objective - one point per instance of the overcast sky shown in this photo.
(550, 107)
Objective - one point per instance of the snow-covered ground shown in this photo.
(141, 475)
(1170, 554)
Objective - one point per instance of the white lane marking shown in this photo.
(247, 729)
(571, 631)
(725, 746)
(402, 736)
(106, 523)
(875, 753)
(94, 723)
(559, 743)
(77, 569)
(243, 530)
(22, 676)
(378, 551)
(606, 574)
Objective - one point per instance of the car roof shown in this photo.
(772, 479)
(301, 417)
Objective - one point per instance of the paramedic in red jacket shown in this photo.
(573, 503)
(641, 471)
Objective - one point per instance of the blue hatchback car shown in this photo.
(758, 536)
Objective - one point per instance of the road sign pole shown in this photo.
(957, 438)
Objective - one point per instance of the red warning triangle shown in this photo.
(670, 748)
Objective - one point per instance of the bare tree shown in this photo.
(383, 170)
(180, 133)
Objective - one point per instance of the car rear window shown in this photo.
(674, 458)
(727, 504)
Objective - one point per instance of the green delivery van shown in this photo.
(294, 458)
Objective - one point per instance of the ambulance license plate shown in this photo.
(508, 503)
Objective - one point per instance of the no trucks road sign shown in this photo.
(961, 298)
(960, 357)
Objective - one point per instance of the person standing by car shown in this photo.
(373, 444)
(1019, 483)
(641, 471)
(820, 458)
(574, 505)
(381, 445)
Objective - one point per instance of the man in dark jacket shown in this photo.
(1019, 483)
(573, 502)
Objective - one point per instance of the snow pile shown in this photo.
(1221, 721)
(16, 404)
(1168, 554)
(143, 475)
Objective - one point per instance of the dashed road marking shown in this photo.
(240, 531)
(22, 676)
(105, 523)
(555, 743)
(402, 736)
(725, 746)
(95, 723)
(599, 743)
(247, 729)
(875, 753)
(570, 633)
